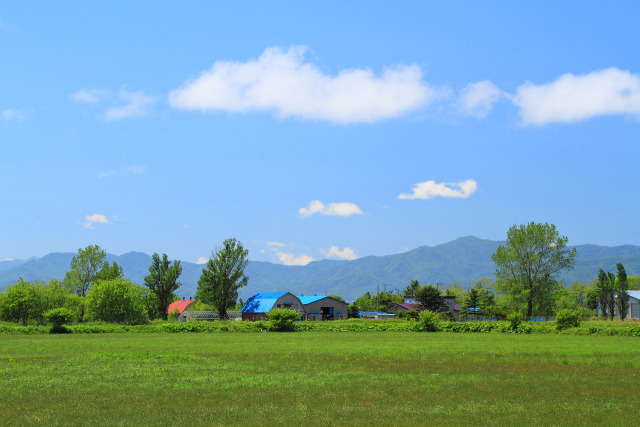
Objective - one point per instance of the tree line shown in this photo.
(95, 290)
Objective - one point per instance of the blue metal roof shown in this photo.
(312, 299)
(634, 294)
(262, 302)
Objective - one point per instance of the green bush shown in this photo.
(448, 316)
(58, 317)
(282, 319)
(173, 315)
(514, 319)
(567, 319)
(429, 321)
(117, 300)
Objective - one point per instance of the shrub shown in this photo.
(173, 315)
(448, 316)
(117, 300)
(353, 311)
(567, 319)
(514, 319)
(409, 315)
(282, 319)
(429, 321)
(58, 317)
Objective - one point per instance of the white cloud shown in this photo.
(12, 114)
(95, 218)
(430, 189)
(345, 253)
(134, 104)
(477, 99)
(202, 260)
(572, 98)
(90, 96)
(291, 259)
(280, 81)
(332, 209)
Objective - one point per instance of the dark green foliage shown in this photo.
(623, 286)
(353, 311)
(412, 288)
(84, 268)
(109, 272)
(431, 298)
(567, 319)
(118, 301)
(607, 294)
(58, 317)
(162, 280)
(429, 321)
(281, 319)
(223, 276)
(592, 299)
(408, 315)
(527, 265)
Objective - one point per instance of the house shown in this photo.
(410, 299)
(404, 307)
(257, 307)
(634, 306)
(180, 305)
(324, 308)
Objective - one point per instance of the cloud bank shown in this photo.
(572, 98)
(280, 81)
(430, 189)
(332, 209)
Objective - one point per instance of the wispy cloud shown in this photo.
(11, 114)
(292, 259)
(430, 189)
(202, 260)
(571, 97)
(332, 209)
(123, 104)
(280, 81)
(344, 253)
(95, 219)
(273, 244)
(477, 99)
(131, 170)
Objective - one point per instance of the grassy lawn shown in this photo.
(319, 378)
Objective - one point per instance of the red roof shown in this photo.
(181, 305)
(408, 306)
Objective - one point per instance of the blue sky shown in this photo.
(313, 130)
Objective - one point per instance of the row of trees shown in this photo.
(94, 289)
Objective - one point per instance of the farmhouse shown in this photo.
(634, 306)
(257, 307)
(324, 308)
(404, 307)
(180, 305)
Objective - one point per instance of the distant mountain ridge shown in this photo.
(466, 260)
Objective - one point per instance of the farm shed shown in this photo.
(257, 307)
(180, 305)
(324, 308)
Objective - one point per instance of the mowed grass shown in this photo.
(381, 378)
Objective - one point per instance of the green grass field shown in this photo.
(381, 378)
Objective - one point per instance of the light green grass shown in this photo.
(313, 378)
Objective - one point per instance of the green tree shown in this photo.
(84, 267)
(23, 302)
(223, 276)
(529, 262)
(162, 280)
(338, 297)
(623, 286)
(117, 300)
(472, 301)
(431, 298)
(412, 288)
(109, 272)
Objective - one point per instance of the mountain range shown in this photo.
(466, 260)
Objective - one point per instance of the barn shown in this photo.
(257, 307)
(324, 308)
(181, 305)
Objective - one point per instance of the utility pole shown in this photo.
(378, 298)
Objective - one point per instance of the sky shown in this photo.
(315, 130)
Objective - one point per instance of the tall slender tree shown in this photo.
(223, 276)
(623, 286)
(84, 267)
(162, 280)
